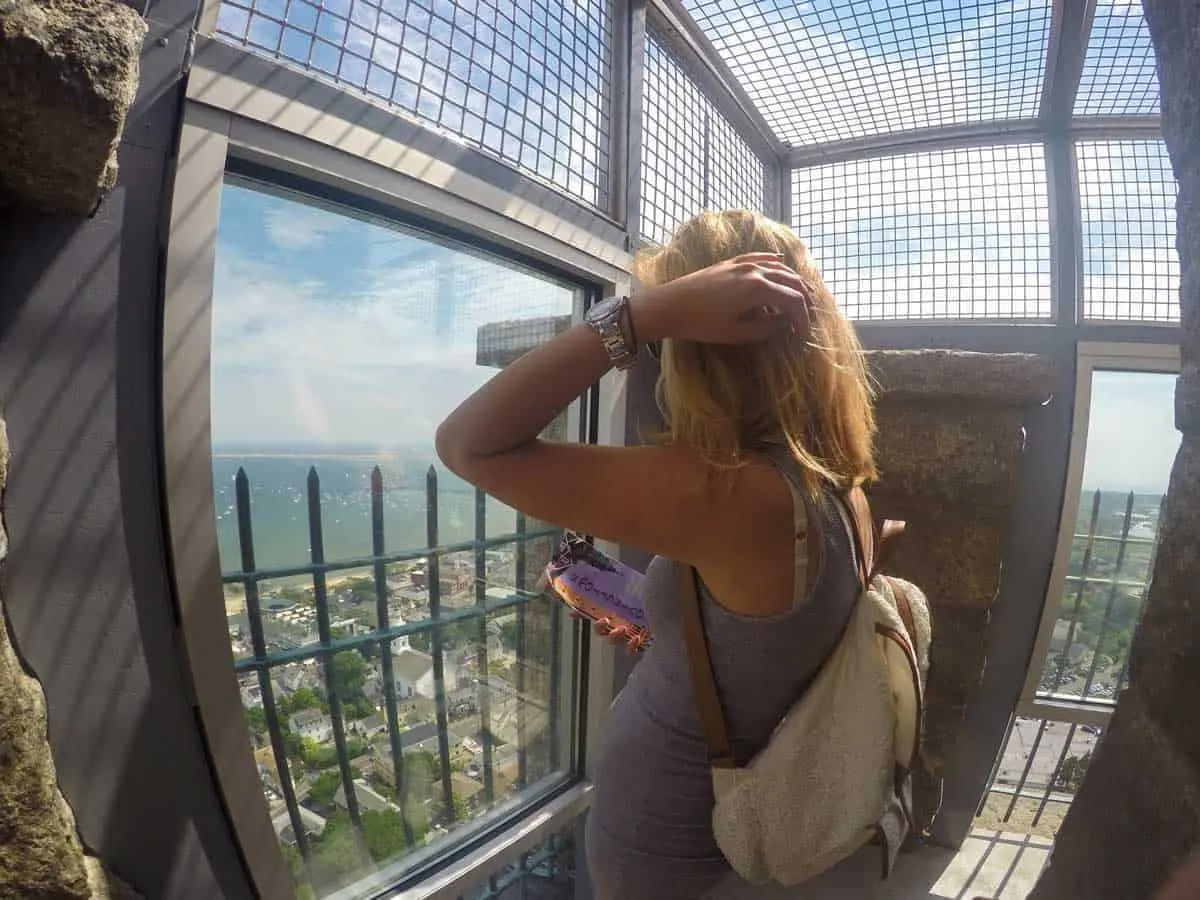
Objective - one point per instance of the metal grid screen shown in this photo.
(528, 81)
(949, 234)
(692, 157)
(828, 71)
(1127, 205)
(1119, 75)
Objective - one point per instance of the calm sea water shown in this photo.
(279, 509)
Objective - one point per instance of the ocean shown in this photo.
(279, 510)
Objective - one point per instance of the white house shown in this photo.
(313, 724)
(412, 671)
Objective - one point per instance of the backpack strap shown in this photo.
(704, 683)
(872, 549)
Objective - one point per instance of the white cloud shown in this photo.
(377, 353)
(813, 83)
(297, 227)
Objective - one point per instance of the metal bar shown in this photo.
(1075, 579)
(1116, 127)
(382, 615)
(1050, 782)
(991, 780)
(1002, 131)
(317, 651)
(636, 23)
(1112, 596)
(520, 578)
(434, 579)
(258, 642)
(366, 562)
(555, 679)
(1070, 25)
(1124, 675)
(1103, 538)
(316, 539)
(1087, 562)
(615, 179)
(706, 162)
(484, 692)
(1037, 742)
(1067, 709)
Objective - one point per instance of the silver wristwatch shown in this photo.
(608, 319)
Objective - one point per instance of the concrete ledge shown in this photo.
(1014, 379)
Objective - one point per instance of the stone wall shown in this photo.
(1138, 812)
(40, 852)
(68, 75)
(949, 450)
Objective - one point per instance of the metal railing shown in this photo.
(550, 866)
(270, 653)
(1044, 758)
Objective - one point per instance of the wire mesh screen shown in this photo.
(948, 234)
(826, 71)
(528, 81)
(692, 157)
(1119, 77)
(1127, 205)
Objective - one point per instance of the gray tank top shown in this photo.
(653, 786)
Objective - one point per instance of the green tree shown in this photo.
(304, 698)
(383, 831)
(358, 708)
(349, 675)
(336, 855)
(293, 744)
(256, 718)
(1074, 768)
(323, 788)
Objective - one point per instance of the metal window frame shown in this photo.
(1131, 357)
(437, 182)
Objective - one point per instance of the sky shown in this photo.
(331, 328)
(1131, 441)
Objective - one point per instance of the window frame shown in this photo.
(1091, 357)
(210, 139)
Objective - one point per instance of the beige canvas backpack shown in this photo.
(836, 772)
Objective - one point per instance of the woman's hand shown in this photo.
(634, 641)
(740, 301)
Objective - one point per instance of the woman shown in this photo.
(769, 420)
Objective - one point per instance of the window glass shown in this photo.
(1127, 196)
(1131, 446)
(528, 81)
(942, 234)
(401, 678)
(692, 157)
(825, 70)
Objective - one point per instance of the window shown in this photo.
(1119, 76)
(1127, 209)
(1131, 443)
(404, 683)
(693, 159)
(526, 81)
(946, 234)
(827, 71)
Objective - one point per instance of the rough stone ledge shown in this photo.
(68, 75)
(1010, 379)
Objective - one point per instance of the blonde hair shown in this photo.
(809, 391)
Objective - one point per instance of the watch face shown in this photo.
(605, 307)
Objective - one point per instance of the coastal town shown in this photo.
(495, 681)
